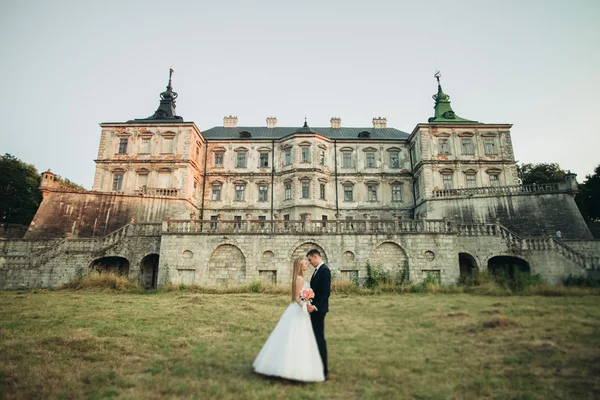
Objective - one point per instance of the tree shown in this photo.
(540, 173)
(588, 199)
(19, 194)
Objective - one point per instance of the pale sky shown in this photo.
(67, 66)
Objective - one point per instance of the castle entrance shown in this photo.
(149, 271)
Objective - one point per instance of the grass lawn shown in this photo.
(82, 344)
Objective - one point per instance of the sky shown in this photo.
(67, 66)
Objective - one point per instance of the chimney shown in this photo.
(230, 121)
(336, 123)
(271, 122)
(379, 123)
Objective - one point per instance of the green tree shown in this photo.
(540, 173)
(588, 199)
(19, 194)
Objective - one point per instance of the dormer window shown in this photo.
(245, 134)
(364, 134)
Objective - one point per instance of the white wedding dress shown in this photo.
(291, 350)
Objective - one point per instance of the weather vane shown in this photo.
(437, 76)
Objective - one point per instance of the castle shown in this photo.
(235, 204)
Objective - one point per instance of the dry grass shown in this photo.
(102, 281)
(184, 344)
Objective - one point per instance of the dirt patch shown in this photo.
(500, 322)
(490, 312)
(458, 314)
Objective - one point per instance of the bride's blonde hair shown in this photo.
(296, 272)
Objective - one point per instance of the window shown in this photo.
(164, 179)
(218, 160)
(444, 146)
(288, 156)
(195, 192)
(213, 225)
(142, 179)
(370, 160)
(394, 160)
(262, 218)
(322, 157)
(348, 193)
(288, 190)
(123, 146)
(347, 160)
(306, 154)
(447, 179)
(167, 145)
(305, 189)
(467, 146)
(216, 192)
(471, 181)
(413, 153)
(494, 180)
(262, 192)
(238, 219)
(264, 160)
(117, 181)
(490, 146)
(145, 145)
(239, 191)
(372, 193)
(241, 160)
(396, 192)
(324, 219)
(322, 191)
(197, 152)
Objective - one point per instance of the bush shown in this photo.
(103, 281)
(581, 281)
(255, 287)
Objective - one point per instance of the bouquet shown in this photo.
(306, 295)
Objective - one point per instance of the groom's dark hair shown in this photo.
(313, 252)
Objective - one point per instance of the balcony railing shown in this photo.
(497, 190)
(307, 226)
(158, 192)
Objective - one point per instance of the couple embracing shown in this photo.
(296, 348)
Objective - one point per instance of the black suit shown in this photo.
(321, 285)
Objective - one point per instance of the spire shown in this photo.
(166, 108)
(443, 110)
(305, 128)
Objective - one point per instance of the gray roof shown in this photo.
(264, 133)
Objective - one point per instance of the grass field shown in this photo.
(81, 344)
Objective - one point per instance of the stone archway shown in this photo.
(226, 265)
(390, 256)
(508, 265)
(149, 271)
(114, 264)
(467, 264)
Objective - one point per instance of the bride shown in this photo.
(291, 350)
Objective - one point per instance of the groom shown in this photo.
(321, 285)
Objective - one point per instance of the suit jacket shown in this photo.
(321, 285)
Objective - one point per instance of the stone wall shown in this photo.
(217, 259)
(535, 214)
(92, 214)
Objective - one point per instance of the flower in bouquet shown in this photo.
(306, 295)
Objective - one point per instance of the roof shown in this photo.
(264, 133)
